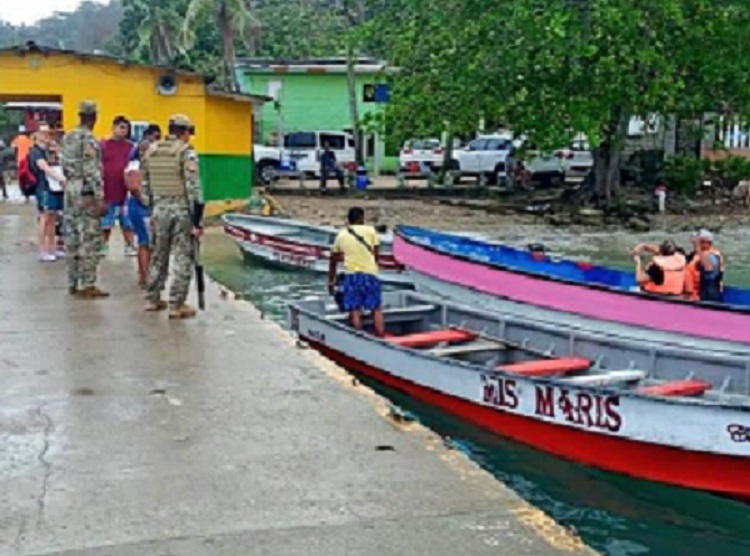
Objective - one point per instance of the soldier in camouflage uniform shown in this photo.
(84, 201)
(171, 169)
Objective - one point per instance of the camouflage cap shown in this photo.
(87, 108)
(180, 120)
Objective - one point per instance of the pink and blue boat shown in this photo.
(577, 294)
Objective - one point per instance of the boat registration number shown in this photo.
(292, 259)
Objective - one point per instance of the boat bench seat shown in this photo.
(425, 339)
(690, 387)
(547, 367)
(606, 378)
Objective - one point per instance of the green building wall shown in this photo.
(309, 101)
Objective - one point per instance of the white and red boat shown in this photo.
(296, 245)
(674, 414)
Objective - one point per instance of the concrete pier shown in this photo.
(122, 433)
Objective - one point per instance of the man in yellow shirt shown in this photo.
(357, 247)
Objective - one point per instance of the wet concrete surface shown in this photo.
(122, 433)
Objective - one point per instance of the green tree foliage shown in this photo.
(553, 68)
(298, 29)
(591, 65)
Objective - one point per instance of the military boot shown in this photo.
(92, 292)
(184, 311)
(158, 305)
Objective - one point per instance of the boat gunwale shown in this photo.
(719, 307)
(681, 341)
(297, 224)
(301, 307)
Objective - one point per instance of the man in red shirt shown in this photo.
(115, 157)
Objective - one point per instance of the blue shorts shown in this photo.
(116, 211)
(361, 292)
(47, 201)
(138, 215)
(54, 202)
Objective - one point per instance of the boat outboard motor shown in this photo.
(537, 250)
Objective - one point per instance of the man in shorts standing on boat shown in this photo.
(357, 247)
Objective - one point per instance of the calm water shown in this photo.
(616, 515)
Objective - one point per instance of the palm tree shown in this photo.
(157, 30)
(234, 18)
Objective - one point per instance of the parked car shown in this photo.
(486, 155)
(424, 152)
(301, 151)
(578, 160)
(570, 164)
(534, 166)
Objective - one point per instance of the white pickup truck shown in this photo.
(301, 152)
(486, 155)
(496, 156)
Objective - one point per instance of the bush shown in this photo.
(684, 173)
(730, 171)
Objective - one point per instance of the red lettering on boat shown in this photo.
(614, 419)
(585, 403)
(499, 392)
(600, 422)
(566, 406)
(545, 401)
(511, 398)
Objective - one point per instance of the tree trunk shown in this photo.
(607, 161)
(227, 37)
(351, 82)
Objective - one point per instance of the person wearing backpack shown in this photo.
(357, 247)
(22, 146)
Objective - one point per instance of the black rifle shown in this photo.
(199, 280)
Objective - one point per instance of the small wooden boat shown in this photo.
(671, 414)
(296, 245)
(475, 271)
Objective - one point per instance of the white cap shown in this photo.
(705, 234)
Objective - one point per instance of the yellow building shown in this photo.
(148, 94)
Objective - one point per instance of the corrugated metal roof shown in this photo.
(362, 65)
(33, 48)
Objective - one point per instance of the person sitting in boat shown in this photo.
(357, 247)
(665, 272)
(704, 280)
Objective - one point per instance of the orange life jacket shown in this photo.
(674, 275)
(693, 275)
(693, 279)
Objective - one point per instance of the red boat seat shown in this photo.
(424, 339)
(547, 367)
(676, 388)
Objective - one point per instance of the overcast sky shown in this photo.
(29, 11)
